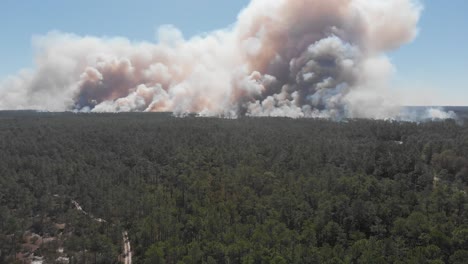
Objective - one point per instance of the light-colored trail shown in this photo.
(127, 254)
(127, 249)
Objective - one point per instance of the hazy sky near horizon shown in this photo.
(430, 71)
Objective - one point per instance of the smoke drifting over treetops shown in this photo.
(294, 58)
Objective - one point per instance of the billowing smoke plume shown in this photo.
(295, 58)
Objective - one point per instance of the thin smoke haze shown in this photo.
(292, 58)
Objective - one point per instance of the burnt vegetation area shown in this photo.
(249, 190)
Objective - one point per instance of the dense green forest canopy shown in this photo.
(249, 190)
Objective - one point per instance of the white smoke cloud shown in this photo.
(426, 114)
(294, 58)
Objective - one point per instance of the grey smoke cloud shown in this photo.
(294, 58)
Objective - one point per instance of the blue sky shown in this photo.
(435, 64)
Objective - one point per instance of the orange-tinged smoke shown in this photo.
(295, 58)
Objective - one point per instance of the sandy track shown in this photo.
(127, 249)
